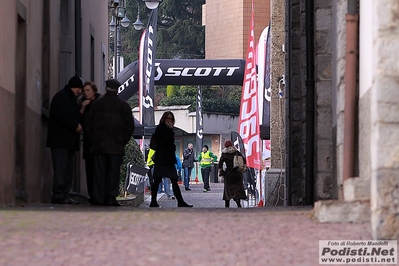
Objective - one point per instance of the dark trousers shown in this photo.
(205, 172)
(169, 171)
(149, 173)
(63, 172)
(89, 165)
(106, 178)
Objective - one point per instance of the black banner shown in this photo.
(267, 89)
(147, 70)
(237, 142)
(184, 72)
(135, 177)
(129, 78)
(200, 127)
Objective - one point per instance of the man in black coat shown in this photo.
(63, 138)
(188, 164)
(109, 126)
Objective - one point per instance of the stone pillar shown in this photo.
(275, 175)
(323, 164)
(277, 109)
(338, 88)
(384, 147)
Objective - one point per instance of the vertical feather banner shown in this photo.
(147, 70)
(248, 125)
(199, 127)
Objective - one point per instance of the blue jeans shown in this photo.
(205, 172)
(166, 187)
(187, 175)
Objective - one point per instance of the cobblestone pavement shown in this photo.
(207, 234)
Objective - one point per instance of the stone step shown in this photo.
(356, 188)
(333, 211)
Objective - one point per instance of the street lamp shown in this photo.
(138, 25)
(152, 4)
(119, 18)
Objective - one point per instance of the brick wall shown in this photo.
(227, 26)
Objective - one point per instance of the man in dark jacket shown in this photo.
(63, 138)
(109, 126)
(188, 164)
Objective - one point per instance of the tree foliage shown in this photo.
(180, 32)
(180, 35)
(216, 99)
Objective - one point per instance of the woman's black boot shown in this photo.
(238, 203)
(154, 192)
(179, 197)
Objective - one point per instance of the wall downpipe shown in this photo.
(310, 103)
(288, 104)
(352, 20)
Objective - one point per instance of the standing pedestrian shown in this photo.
(63, 137)
(109, 127)
(206, 159)
(165, 159)
(90, 94)
(188, 164)
(233, 180)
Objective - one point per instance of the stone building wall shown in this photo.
(324, 138)
(277, 103)
(300, 82)
(384, 110)
(36, 37)
(339, 10)
(295, 101)
(227, 25)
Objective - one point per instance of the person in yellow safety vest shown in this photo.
(206, 159)
(150, 164)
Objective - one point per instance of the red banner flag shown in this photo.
(248, 124)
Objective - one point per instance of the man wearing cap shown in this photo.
(109, 127)
(206, 159)
(63, 138)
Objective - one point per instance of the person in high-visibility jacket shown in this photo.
(206, 159)
(150, 164)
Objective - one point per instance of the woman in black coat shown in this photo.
(233, 180)
(90, 94)
(165, 159)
